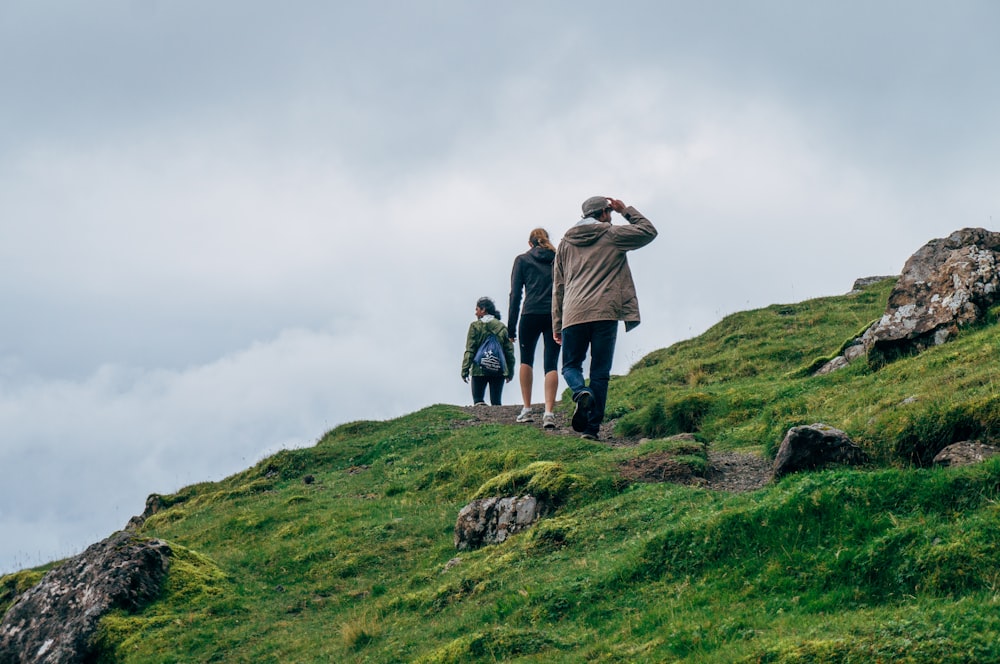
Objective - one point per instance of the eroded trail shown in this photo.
(728, 471)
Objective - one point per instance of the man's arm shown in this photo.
(638, 233)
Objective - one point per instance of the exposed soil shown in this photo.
(727, 471)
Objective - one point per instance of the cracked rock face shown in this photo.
(55, 621)
(948, 283)
(493, 520)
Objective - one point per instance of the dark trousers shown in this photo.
(599, 337)
(479, 384)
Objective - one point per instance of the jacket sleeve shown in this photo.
(508, 351)
(558, 290)
(516, 288)
(470, 351)
(638, 233)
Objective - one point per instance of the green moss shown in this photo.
(545, 480)
(195, 588)
(12, 585)
(499, 644)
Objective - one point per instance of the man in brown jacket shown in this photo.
(592, 289)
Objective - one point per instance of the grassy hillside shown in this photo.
(344, 551)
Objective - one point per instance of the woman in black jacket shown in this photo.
(532, 274)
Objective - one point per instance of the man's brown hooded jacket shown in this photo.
(591, 279)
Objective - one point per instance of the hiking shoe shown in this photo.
(581, 415)
(525, 416)
(590, 436)
(549, 421)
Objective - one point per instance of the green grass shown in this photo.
(895, 562)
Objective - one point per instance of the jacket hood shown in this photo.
(541, 254)
(583, 235)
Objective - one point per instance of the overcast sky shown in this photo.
(229, 226)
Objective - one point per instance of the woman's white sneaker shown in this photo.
(525, 416)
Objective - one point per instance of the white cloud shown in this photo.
(224, 242)
(89, 452)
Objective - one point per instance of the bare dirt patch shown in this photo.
(737, 472)
(658, 467)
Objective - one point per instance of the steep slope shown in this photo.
(344, 551)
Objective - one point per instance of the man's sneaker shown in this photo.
(549, 421)
(590, 436)
(584, 399)
(525, 416)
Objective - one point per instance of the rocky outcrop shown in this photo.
(54, 622)
(950, 282)
(814, 446)
(493, 520)
(154, 503)
(863, 282)
(965, 453)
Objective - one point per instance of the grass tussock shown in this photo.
(895, 562)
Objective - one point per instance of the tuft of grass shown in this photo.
(359, 632)
(925, 432)
(683, 414)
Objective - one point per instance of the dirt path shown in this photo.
(728, 471)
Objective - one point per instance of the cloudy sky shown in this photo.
(226, 227)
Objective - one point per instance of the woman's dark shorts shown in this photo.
(530, 327)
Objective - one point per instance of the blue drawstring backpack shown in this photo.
(490, 357)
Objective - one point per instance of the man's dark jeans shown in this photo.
(599, 337)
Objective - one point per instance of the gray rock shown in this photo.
(493, 520)
(838, 362)
(859, 284)
(965, 453)
(815, 446)
(947, 283)
(54, 622)
(154, 503)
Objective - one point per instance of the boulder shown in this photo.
(493, 520)
(948, 283)
(965, 453)
(815, 446)
(54, 622)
